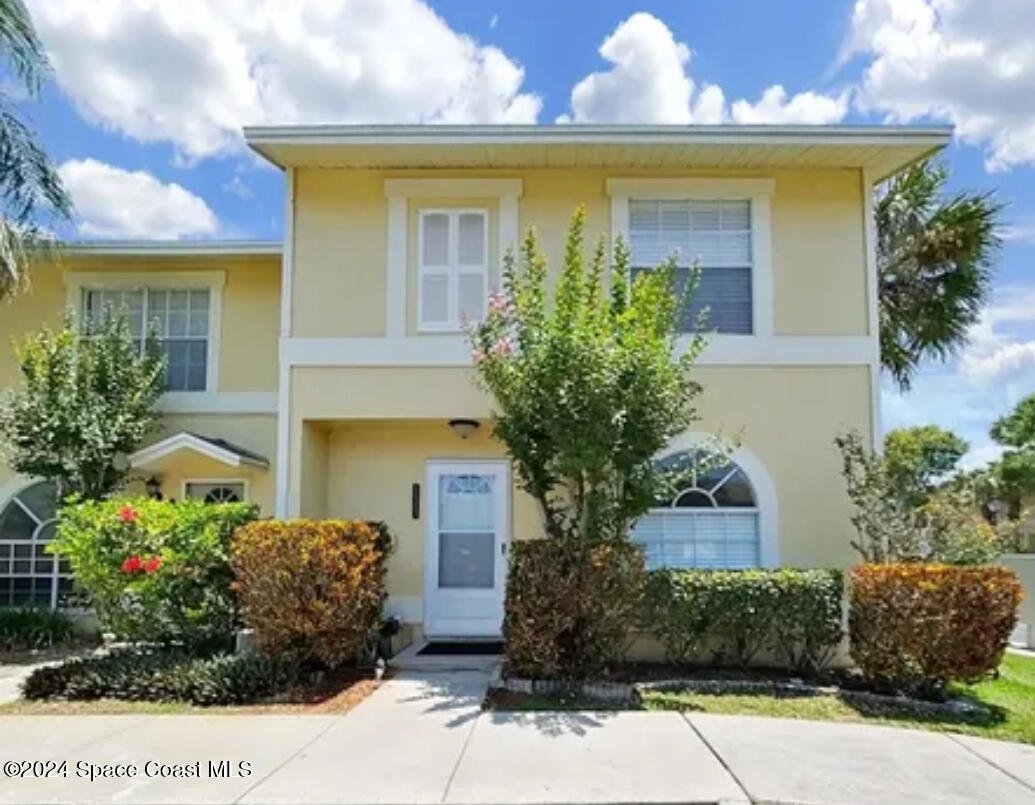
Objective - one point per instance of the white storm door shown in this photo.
(466, 548)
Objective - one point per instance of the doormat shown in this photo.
(457, 648)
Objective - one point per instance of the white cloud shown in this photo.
(194, 71)
(997, 351)
(967, 61)
(115, 203)
(649, 82)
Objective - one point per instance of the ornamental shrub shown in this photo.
(28, 628)
(795, 615)
(915, 627)
(570, 607)
(165, 675)
(312, 589)
(155, 571)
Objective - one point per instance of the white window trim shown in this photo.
(212, 281)
(766, 504)
(398, 192)
(757, 191)
(453, 270)
(244, 482)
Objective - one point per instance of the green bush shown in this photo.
(25, 629)
(794, 614)
(312, 588)
(570, 607)
(155, 571)
(164, 675)
(916, 627)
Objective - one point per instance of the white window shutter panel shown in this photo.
(434, 298)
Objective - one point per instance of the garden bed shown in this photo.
(1003, 707)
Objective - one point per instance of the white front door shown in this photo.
(466, 541)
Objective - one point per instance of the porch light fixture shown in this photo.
(153, 487)
(463, 427)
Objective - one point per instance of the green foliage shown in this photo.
(1012, 478)
(29, 628)
(312, 589)
(917, 627)
(1017, 429)
(795, 615)
(165, 675)
(935, 255)
(916, 458)
(911, 522)
(587, 389)
(29, 183)
(570, 606)
(81, 403)
(155, 571)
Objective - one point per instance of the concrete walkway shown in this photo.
(422, 738)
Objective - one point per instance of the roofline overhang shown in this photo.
(264, 138)
(171, 248)
(148, 456)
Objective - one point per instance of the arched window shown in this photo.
(29, 576)
(712, 522)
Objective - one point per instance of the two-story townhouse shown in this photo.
(366, 408)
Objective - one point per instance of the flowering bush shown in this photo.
(155, 571)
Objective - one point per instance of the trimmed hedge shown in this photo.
(916, 627)
(312, 589)
(25, 629)
(155, 571)
(794, 614)
(570, 607)
(164, 675)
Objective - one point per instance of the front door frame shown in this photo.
(433, 469)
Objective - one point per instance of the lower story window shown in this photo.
(216, 491)
(29, 576)
(710, 523)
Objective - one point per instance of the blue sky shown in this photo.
(144, 115)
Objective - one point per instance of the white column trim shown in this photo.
(509, 226)
(762, 290)
(872, 306)
(283, 433)
(395, 258)
(287, 256)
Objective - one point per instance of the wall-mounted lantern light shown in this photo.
(153, 487)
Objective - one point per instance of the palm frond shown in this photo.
(21, 46)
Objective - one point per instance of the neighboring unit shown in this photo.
(365, 407)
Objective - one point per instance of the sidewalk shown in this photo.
(423, 739)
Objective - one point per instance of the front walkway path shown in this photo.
(421, 738)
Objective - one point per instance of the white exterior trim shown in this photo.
(212, 281)
(453, 188)
(218, 402)
(12, 486)
(171, 248)
(873, 307)
(765, 491)
(756, 191)
(287, 262)
(188, 441)
(281, 497)
(453, 350)
(244, 482)
(395, 260)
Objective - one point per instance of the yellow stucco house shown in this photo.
(327, 376)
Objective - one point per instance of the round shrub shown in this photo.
(570, 607)
(916, 627)
(312, 589)
(28, 628)
(155, 571)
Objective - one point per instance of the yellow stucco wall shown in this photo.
(787, 416)
(818, 247)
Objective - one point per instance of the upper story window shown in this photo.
(452, 260)
(180, 317)
(714, 233)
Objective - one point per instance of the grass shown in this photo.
(1009, 700)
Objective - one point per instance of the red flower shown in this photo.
(152, 564)
(128, 514)
(132, 564)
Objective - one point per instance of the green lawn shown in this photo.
(1010, 698)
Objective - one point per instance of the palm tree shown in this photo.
(935, 255)
(29, 184)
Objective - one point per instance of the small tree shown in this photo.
(588, 389)
(918, 458)
(82, 402)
